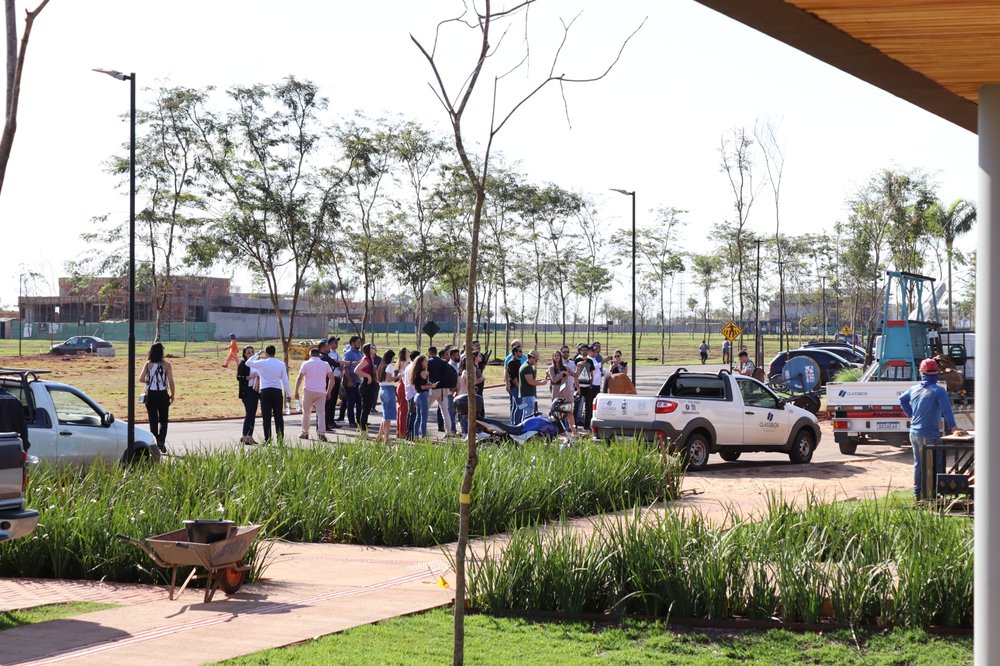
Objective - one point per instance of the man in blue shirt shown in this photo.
(352, 395)
(926, 404)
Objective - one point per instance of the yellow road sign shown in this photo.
(846, 330)
(731, 331)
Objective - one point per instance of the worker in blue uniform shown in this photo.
(927, 404)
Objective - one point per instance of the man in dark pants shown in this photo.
(352, 394)
(273, 379)
(436, 369)
(328, 352)
(590, 383)
(512, 379)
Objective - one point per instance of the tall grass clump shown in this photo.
(874, 563)
(848, 375)
(352, 493)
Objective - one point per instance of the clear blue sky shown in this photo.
(654, 125)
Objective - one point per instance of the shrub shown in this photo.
(354, 493)
(865, 563)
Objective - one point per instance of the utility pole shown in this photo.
(822, 283)
(758, 340)
(781, 305)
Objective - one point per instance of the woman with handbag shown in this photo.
(158, 376)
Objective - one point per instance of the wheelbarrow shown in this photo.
(221, 560)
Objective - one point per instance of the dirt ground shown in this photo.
(748, 484)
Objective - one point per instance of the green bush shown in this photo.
(849, 375)
(865, 563)
(354, 493)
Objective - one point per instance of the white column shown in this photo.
(987, 527)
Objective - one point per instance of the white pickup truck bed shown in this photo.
(869, 411)
(702, 413)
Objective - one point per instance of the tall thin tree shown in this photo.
(455, 103)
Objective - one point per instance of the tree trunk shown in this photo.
(464, 499)
(951, 322)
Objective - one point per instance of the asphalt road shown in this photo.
(221, 434)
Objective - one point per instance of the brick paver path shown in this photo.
(17, 593)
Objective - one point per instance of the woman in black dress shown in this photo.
(248, 394)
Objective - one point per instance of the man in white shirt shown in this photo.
(273, 380)
(318, 378)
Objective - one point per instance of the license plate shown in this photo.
(887, 425)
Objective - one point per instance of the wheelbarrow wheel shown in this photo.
(231, 579)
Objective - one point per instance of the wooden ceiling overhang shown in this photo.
(933, 53)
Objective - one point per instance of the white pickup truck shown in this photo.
(701, 413)
(66, 426)
(869, 412)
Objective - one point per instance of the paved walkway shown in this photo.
(18, 593)
(309, 590)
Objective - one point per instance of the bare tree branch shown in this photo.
(14, 83)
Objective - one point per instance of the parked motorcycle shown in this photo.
(549, 426)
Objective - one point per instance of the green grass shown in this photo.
(876, 563)
(398, 495)
(19, 618)
(427, 639)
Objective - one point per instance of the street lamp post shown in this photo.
(781, 305)
(130, 447)
(635, 361)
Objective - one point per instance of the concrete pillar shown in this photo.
(987, 527)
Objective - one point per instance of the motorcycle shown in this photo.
(549, 426)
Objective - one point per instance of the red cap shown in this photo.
(929, 367)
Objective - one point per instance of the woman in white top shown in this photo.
(386, 375)
(158, 376)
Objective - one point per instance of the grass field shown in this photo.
(206, 390)
(19, 618)
(427, 639)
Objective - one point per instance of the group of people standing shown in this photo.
(407, 386)
(576, 379)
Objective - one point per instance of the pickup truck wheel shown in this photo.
(802, 447)
(696, 451)
(730, 456)
(850, 447)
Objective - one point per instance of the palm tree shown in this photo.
(948, 224)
